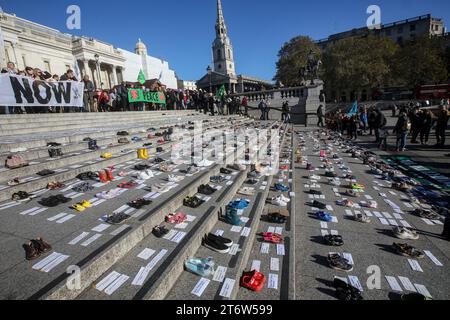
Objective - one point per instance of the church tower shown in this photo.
(222, 47)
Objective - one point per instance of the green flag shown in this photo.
(141, 77)
(221, 92)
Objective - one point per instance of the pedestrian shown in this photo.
(441, 125)
(103, 100)
(371, 120)
(384, 135)
(364, 119)
(415, 119)
(321, 116)
(245, 105)
(380, 122)
(353, 127)
(401, 130)
(426, 125)
(262, 107)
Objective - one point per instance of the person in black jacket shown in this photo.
(380, 122)
(415, 119)
(426, 125)
(401, 129)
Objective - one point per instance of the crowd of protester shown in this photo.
(116, 99)
(413, 121)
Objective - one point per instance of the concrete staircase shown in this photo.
(99, 250)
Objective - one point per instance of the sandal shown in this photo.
(408, 251)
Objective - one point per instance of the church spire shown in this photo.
(221, 28)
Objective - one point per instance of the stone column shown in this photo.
(115, 80)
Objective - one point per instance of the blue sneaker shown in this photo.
(282, 188)
(324, 216)
(239, 204)
(200, 267)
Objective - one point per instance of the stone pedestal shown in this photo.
(310, 100)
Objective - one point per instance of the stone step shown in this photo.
(41, 182)
(67, 137)
(45, 118)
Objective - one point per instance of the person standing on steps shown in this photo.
(321, 116)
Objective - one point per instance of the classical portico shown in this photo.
(100, 61)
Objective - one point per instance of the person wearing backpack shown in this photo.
(401, 129)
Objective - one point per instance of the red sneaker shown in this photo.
(103, 176)
(253, 281)
(109, 174)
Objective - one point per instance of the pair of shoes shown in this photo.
(108, 195)
(160, 188)
(142, 153)
(174, 178)
(117, 218)
(281, 187)
(192, 202)
(345, 203)
(427, 214)
(176, 218)
(318, 204)
(408, 251)
(36, 248)
(200, 267)
(237, 167)
(253, 281)
(139, 203)
(55, 185)
(204, 163)
(191, 170)
(324, 216)
(145, 175)
(247, 191)
(310, 167)
(160, 231)
(280, 201)
(352, 193)
(87, 176)
(334, 240)
(141, 167)
(339, 263)
(105, 176)
(232, 217)
(273, 238)
(362, 218)
(251, 182)
(315, 192)
(54, 201)
(82, 206)
(278, 217)
(14, 182)
(206, 189)
(239, 204)
(128, 185)
(217, 243)
(225, 171)
(83, 188)
(405, 233)
(346, 292)
(217, 179)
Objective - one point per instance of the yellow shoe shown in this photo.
(141, 153)
(86, 204)
(78, 207)
(146, 154)
(107, 156)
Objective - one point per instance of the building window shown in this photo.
(400, 30)
(436, 27)
(229, 53)
(412, 27)
(219, 54)
(220, 67)
(47, 66)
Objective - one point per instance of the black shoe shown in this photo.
(225, 171)
(320, 205)
(315, 192)
(215, 245)
(139, 203)
(206, 189)
(223, 240)
(160, 231)
(251, 182)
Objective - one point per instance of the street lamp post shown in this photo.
(97, 65)
(209, 70)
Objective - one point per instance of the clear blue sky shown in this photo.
(182, 31)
